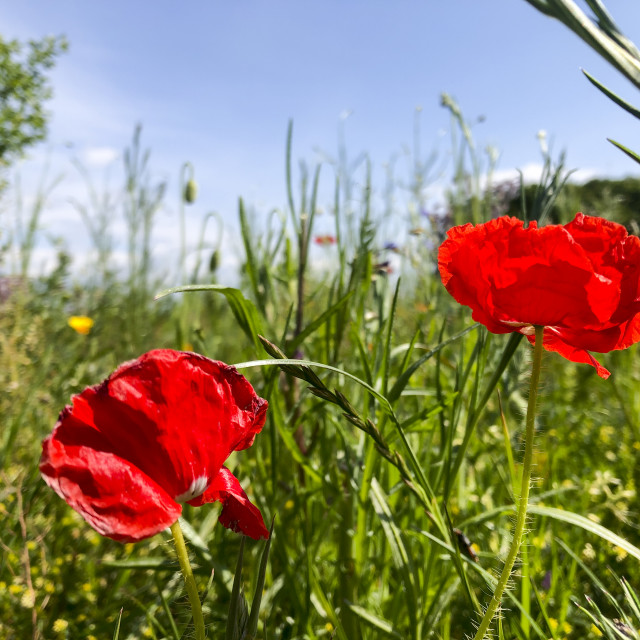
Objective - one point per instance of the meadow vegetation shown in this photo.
(378, 477)
(390, 459)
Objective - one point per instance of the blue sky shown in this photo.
(215, 83)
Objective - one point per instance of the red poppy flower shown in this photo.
(130, 451)
(581, 281)
(325, 240)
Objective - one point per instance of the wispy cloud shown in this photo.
(98, 157)
(532, 172)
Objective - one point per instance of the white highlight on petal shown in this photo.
(196, 488)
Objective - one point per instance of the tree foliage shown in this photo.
(24, 89)
(615, 199)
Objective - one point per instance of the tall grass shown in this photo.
(392, 441)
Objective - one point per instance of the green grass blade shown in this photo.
(386, 355)
(587, 525)
(404, 378)
(116, 632)
(399, 553)
(632, 154)
(322, 319)
(612, 96)
(252, 625)
(238, 604)
(488, 577)
(251, 266)
(292, 206)
(167, 611)
(379, 624)
(243, 310)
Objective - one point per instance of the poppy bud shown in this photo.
(190, 191)
(214, 261)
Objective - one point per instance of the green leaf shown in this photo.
(378, 623)
(325, 603)
(612, 96)
(489, 578)
(238, 605)
(289, 442)
(116, 631)
(251, 266)
(563, 516)
(404, 378)
(587, 525)
(632, 154)
(244, 310)
(141, 563)
(167, 611)
(252, 625)
(318, 322)
(399, 553)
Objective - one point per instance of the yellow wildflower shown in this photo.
(60, 625)
(81, 324)
(28, 599)
(621, 553)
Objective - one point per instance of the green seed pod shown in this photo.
(190, 191)
(213, 263)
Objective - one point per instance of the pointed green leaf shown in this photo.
(378, 623)
(632, 154)
(116, 631)
(237, 606)
(252, 625)
(612, 96)
(318, 322)
(244, 310)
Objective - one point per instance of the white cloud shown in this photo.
(99, 156)
(532, 172)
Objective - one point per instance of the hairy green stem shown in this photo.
(189, 580)
(524, 491)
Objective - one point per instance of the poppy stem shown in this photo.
(523, 502)
(190, 582)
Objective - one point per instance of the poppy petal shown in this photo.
(114, 496)
(581, 281)
(143, 407)
(553, 342)
(510, 274)
(238, 513)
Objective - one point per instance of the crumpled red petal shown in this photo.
(151, 436)
(238, 513)
(580, 280)
(115, 497)
(510, 274)
(553, 342)
(144, 407)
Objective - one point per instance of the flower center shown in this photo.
(196, 488)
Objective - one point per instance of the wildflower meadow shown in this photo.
(392, 422)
